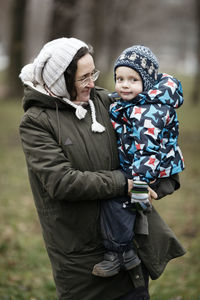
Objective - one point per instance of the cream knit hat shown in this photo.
(48, 69)
(49, 66)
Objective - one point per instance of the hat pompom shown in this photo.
(27, 73)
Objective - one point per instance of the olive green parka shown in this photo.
(71, 169)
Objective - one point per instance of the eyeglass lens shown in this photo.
(93, 77)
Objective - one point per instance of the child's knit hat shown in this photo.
(143, 61)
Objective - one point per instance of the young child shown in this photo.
(146, 126)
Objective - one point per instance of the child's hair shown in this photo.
(143, 61)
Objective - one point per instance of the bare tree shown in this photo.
(16, 47)
(65, 14)
(196, 89)
(108, 27)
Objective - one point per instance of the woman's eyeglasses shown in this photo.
(94, 76)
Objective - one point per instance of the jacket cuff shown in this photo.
(165, 186)
(121, 184)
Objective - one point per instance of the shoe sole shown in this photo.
(99, 273)
(131, 266)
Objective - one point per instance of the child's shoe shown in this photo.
(130, 259)
(110, 266)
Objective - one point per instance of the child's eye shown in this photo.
(119, 79)
(133, 79)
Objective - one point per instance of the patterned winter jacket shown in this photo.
(147, 131)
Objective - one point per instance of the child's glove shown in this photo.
(139, 197)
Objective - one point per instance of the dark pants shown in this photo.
(117, 224)
(141, 293)
(137, 294)
(117, 227)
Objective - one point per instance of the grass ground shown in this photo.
(25, 272)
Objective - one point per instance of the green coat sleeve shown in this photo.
(166, 186)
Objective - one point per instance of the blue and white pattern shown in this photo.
(147, 131)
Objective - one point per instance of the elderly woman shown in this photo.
(72, 160)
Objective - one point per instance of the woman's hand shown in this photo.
(130, 186)
(152, 195)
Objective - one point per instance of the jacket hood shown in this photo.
(37, 96)
(167, 91)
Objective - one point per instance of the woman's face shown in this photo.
(85, 69)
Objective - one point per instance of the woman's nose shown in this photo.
(90, 83)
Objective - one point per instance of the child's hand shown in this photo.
(140, 196)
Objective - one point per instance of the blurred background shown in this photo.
(171, 28)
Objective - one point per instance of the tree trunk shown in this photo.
(109, 19)
(196, 89)
(16, 47)
(64, 17)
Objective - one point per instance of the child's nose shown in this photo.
(126, 83)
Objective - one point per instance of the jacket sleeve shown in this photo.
(53, 170)
(166, 185)
(146, 137)
(147, 157)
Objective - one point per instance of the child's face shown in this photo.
(128, 83)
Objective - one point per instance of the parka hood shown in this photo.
(167, 91)
(37, 96)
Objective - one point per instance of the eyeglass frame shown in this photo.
(92, 77)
